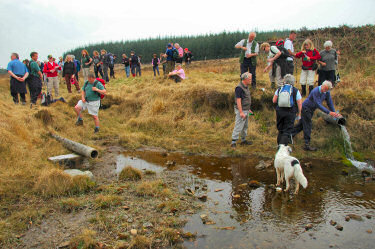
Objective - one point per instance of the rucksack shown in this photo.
(176, 55)
(285, 96)
(95, 84)
(110, 57)
(46, 99)
(280, 46)
(77, 64)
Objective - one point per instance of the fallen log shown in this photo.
(79, 148)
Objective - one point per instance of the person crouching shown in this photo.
(242, 110)
(177, 75)
(91, 91)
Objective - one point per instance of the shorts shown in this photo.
(92, 106)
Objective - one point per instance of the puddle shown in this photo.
(263, 218)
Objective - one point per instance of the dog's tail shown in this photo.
(298, 174)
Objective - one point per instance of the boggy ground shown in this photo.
(195, 116)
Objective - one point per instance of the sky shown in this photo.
(53, 26)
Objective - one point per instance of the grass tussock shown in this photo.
(85, 240)
(107, 201)
(54, 182)
(69, 205)
(154, 188)
(45, 116)
(130, 173)
(140, 242)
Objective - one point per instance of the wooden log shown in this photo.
(79, 148)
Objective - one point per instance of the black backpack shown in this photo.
(176, 55)
(47, 99)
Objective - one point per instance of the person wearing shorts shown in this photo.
(91, 91)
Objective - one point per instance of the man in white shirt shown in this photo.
(289, 46)
(249, 52)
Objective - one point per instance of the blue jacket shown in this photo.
(315, 100)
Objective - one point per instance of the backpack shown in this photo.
(95, 83)
(110, 57)
(280, 46)
(78, 65)
(176, 55)
(46, 99)
(285, 96)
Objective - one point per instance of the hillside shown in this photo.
(195, 116)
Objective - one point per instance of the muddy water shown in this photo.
(263, 218)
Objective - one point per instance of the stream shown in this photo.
(260, 217)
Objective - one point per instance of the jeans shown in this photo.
(155, 68)
(127, 71)
(133, 66)
(240, 126)
(35, 88)
(105, 72)
(247, 66)
(138, 71)
(304, 124)
(111, 71)
(98, 70)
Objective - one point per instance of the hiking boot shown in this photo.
(309, 148)
(245, 142)
(233, 145)
(96, 130)
(79, 122)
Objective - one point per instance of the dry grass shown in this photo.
(86, 240)
(140, 242)
(107, 201)
(130, 173)
(194, 116)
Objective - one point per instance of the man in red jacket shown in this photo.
(51, 70)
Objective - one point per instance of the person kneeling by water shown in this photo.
(289, 103)
(315, 99)
(91, 91)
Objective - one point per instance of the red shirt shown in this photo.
(48, 67)
(313, 58)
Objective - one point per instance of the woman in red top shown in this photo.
(309, 57)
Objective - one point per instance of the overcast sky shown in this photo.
(54, 26)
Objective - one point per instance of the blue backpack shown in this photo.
(77, 64)
(285, 96)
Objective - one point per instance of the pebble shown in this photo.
(308, 226)
(254, 184)
(369, 231)
(333, 223)
(368, 216)
(347, 218)
(123, 236)
(130, 220)
(355, 217)
(339, 227)
(133, 232)
(358, 193)
(203, 198)
(147, 225)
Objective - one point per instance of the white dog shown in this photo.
(288, 166)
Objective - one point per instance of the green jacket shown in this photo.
(254, 58)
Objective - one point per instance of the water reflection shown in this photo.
(264, 218)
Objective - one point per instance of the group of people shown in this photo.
(287, 98)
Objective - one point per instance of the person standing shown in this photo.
(86, 61)
(69, 72)
(61, 64)
(133, 63)
(313, 101)
(18, 73)
(126, 62)
(105, 62)
(112, 59)
(288, 45)
(90, 100)
(51, 71)
(35, 79)
(187, 55)
(242, 110)
(78, 67)
(138, 69)
(180, 53)
(169, 57)
(248, 58)
(309, 57)
(96, 59)
(155, 64)
(328, 63)
(163, 62)
(288, 102)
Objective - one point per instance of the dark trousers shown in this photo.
(176, 78)
(111, 71)
(133, 66)
(285, 124)
(18, 87)
(247, 66)
(304, 124)
(156, 68)
(69, 84)
(98, 70)
(164, 68)
(105, 72)
(35, 88)
(15, 97)
(138, 71)
(289, 67)
(326, 75)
